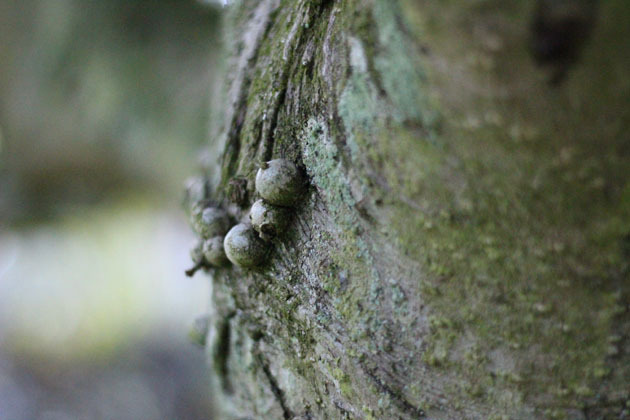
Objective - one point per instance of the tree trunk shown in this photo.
(463, 249)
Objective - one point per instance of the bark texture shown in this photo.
(463, 248)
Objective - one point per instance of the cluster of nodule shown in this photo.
(280, 186)
(211, 223)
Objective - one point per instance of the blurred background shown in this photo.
(103, 111)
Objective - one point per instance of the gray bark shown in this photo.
(463, 249)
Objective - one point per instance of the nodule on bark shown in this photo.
(196, 253)
(268, 220)
(209, 221)
(198, 333)
(279, 182)
(244, 248)
(280, 185)
(214, 253)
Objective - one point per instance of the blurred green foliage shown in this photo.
(100, 97)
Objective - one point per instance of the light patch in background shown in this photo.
(91, 282)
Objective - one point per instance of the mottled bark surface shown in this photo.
(463, 248)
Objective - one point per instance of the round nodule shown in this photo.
(209, 221)
(214, 252)
(198, 333)
(243, 247)
(268, 220)
(196, 253)
(280, 183)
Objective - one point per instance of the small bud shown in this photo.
(268, 220)
(196, 189)
(210, 221)
(196, 254)
(243, 247)
(198, 332)
(280, 183)
(214, 252)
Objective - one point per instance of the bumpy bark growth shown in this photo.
(463, 249)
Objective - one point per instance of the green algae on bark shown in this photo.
(462, 250)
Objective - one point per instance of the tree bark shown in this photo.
(463, 250)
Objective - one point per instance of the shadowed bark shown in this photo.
(463, 248)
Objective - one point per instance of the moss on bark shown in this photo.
(463, 249)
